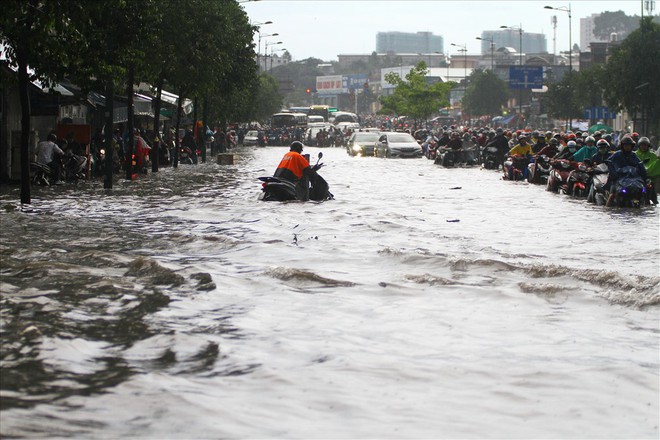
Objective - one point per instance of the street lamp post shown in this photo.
(520, 33)
(492, 50)
(271, 57)
(570, 57)
(463, 48)
(266, 51)
(257, 25)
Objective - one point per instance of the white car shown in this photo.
(251, 138)
(397, 144)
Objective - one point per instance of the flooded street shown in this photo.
(423, 302)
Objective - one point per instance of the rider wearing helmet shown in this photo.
(551, 149)
(295, 168)
(588, 150)
(568, 152)
(539, 144)
(522, 148)
(625, 157)
(650, 160)
(635, 136)
(603, 152)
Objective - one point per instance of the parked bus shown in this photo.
(279, 120)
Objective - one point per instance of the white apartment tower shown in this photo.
(587, 32)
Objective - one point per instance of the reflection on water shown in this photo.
(422, 302)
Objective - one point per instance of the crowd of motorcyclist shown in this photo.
(500, 148)
(512, 151)
(326, 136)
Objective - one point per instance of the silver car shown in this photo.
(396, 144)
(362, 143)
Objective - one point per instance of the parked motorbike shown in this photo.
(538, 171)
(276, 189)
(515, 168)
(558, 179)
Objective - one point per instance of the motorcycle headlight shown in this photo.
(102, 151)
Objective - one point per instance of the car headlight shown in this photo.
(357, 147)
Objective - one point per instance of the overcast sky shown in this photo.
(326, 28)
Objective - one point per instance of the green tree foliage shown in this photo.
(589, 85)
(201, 47)
(485, 94)
(36, 37)
(268, 99)
(561, 101)
(303, 76)
(614, 22)
(414, 96)
(631, 74)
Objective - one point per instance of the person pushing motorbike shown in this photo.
(295, 168)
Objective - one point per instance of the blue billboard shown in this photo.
(525, 77)
(357, 81)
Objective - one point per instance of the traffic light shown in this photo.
(308, 91)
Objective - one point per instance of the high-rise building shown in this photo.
(408, 42)
(531, 42)
(587, 36)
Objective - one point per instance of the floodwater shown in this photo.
(422, 302)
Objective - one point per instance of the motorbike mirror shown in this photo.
(320, 154)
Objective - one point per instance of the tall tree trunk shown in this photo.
(130, 150)
(179, 109)
(109, 121)
(196, 130)
(205, 115)
(155, 152)
(24, 94)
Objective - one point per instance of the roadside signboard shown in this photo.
(356, 81)
(598, 113)
(525, 77)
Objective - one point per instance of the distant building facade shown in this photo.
(431, 59)
(408, 42)
(531, 42)
(587, 26)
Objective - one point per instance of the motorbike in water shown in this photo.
(281, 190)
(185, 156)
(538, 170)
(630, 190)
(515, 168)
(41, 174)
(598, 193)
(578, 180)
(558, 179)
(430, 149)
(491, 158)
